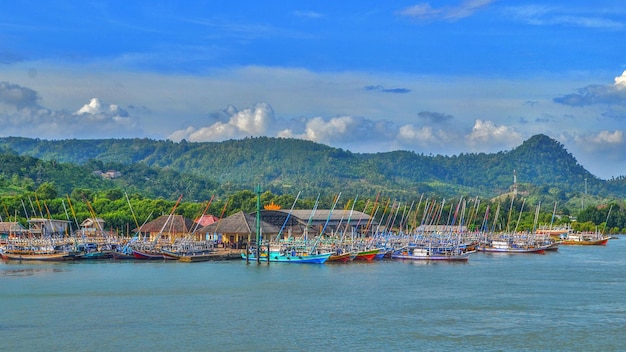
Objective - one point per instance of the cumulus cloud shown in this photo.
(254, 121)
(425, 137)
(338, 129)
(487, 136)
(603, 150)
(620, 81)
(17, 96)
(601, 140)
(94, 110)
(260, 120)
(21, 114)
(424, 11)
(614, 94)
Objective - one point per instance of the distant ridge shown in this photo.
(285, 165)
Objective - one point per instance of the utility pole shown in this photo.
(585, 195)
(258, 224)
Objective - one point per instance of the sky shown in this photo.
(440, 77)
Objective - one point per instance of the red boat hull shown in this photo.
(366, 255)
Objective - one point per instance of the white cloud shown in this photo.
(17, 96)
(95, 111)
(620, 81)
(487, 136)
(21, 114)
(320, 130)
(425, 137)
(610, 95)
(603, 150)
(601, 140)
(254, 121)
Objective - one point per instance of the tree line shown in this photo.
(124, 212)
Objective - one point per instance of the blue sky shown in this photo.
(439, 77)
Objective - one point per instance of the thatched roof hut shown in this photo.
(168, 227)
(239, 223)
(238, 228)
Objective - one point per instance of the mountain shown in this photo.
(282, 165)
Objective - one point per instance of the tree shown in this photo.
(46, 191)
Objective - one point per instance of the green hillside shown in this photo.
(164, 168)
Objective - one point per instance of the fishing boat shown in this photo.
(150, 255)
(366, 255)
(418, 253)
(38, 254)
(121, 255)
(289, 255)
(585, 239)
(197, 257)
(189, 256)
(508, 246)
(342, 257)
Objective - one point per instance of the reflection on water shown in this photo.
(28, 271)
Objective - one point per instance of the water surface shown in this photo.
(570, 300)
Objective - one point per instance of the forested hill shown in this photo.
(291, 165)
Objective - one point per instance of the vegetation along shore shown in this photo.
(284, 199)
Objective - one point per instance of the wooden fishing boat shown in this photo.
(120, 255)
(197, 257)
(339, 258)
(430, 254)
(585, 239)
(96, 255)
(36, 255)
(383, 253)
(366, 255)
(290, 257)
(499, 246)
(190, 256)
(169, 254)
(150, 255)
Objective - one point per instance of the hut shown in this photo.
(237, 230)
(40, 227)
(10, 229)
(92, 227)
(167, 228)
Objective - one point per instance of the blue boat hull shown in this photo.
(301, 259)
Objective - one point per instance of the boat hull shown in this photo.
(299, 259)
(50, 257)
(600, 242)
(457, 258)
(194, 258)
(538, 250)
(141, 255)
(368, 255)
(339, 258)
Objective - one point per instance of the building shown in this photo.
(47, 227)
(10, 229)
(240, 228)
(167, 228)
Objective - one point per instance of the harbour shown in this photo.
(567, 300)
